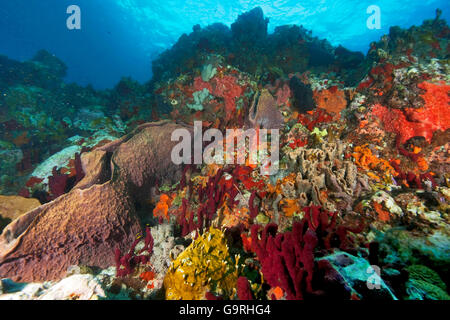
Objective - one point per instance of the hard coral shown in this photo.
(423, 273)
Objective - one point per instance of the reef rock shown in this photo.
(76, 287)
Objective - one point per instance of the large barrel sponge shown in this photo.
(84, 226)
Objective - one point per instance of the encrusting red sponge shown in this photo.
(421, 122)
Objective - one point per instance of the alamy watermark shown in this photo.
(374, 20)
(73, 22)
(252, 147)
(374, 280)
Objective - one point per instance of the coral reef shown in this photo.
(92, 207)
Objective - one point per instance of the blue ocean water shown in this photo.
(121, 37)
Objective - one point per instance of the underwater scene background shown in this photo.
(224, 150)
